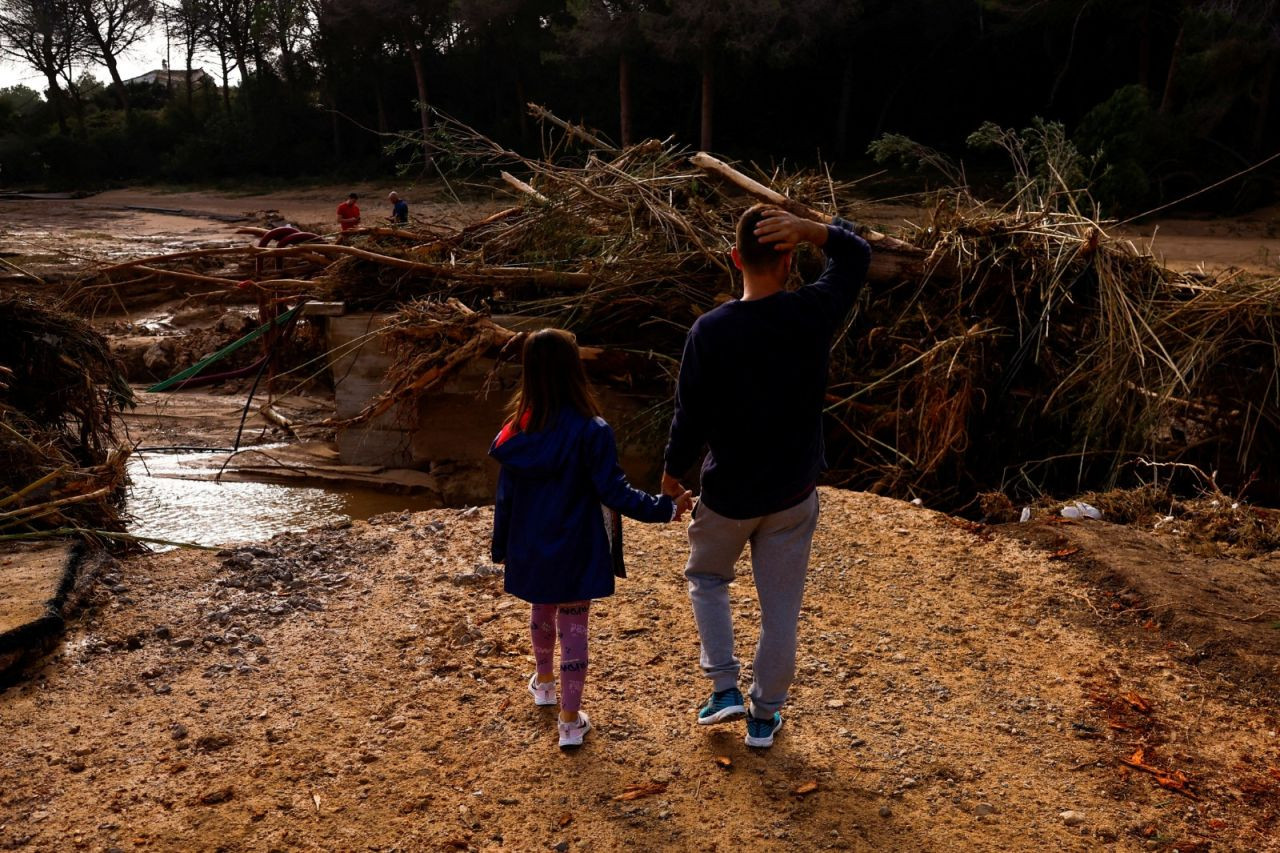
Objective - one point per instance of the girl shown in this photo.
(559, 465)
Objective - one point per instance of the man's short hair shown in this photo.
(352, 196)
(753, 253)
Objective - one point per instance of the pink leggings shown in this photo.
(571, 621)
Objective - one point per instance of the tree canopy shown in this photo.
(1159, 96)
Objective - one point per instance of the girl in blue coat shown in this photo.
(560, 476)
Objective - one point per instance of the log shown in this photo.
(189, 276)
(543, 114)
(524, 188)
(754, 188)
(891, 259)
(270, 415)
(492, 218)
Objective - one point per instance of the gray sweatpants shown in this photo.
(780, 545)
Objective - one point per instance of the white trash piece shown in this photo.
(1026, 515)
(1081, 510)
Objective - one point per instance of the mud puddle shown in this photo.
(166, 501)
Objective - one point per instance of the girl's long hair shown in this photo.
(553, 379)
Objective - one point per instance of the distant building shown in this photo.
(175, 80)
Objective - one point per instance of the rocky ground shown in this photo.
(362, 688)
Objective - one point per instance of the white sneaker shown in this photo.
(543, 692)
(571, 734)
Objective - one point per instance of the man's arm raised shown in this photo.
(848, 257)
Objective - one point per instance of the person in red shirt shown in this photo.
(349, 213)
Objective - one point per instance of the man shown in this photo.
(399, 209)
(752, 384)
(349, 213)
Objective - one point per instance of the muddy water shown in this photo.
(166, 503)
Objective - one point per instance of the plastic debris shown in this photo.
(1078, 509)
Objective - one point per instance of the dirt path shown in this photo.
(363, 688)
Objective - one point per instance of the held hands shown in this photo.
(684, 503)
(785, 230)
(672, 488)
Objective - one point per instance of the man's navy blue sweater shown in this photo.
(752, 385)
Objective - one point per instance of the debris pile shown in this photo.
(60, 394)
(1018, 348)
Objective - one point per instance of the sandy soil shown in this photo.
(1249, 242)
(363, 688)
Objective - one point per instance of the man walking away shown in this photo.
(399, 209)
(752, 383)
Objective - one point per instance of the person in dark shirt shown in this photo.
(399, 209)
(752, 383)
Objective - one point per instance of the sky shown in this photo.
(145, 56)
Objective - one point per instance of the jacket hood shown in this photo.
(539, 454)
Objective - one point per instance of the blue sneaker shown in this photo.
(723, 705)
(760, 732)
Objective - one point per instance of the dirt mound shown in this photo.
(1219, 614)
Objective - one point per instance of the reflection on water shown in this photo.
(208, 513)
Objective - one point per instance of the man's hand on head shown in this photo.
(784, 231)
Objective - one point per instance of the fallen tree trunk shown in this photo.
(892, 259)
